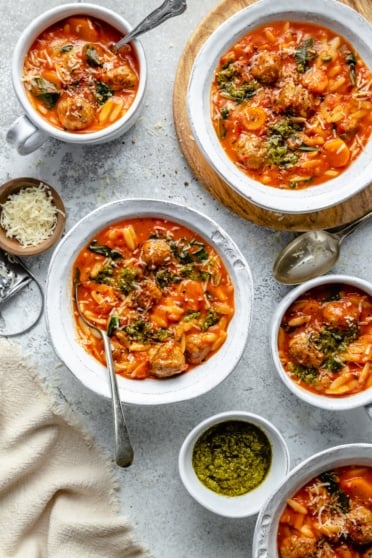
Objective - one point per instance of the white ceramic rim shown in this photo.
(41, 23)
(248, 504)
(264, 538)
(60, 321)
(322, 401)
(334, 15)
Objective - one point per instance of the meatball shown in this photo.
(156, 252)
(303, 352)
(265, 67)
(198, 346)
(341, 313)
(75, 112)
(298, 547)
(359, 525)
(147, 294)
(119, 78)
(251, 151)
(295, 99)
(168, 360)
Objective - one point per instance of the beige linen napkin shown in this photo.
(58, 490)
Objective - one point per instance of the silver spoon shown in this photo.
(169, 8)
(312, 253)
(123, 446)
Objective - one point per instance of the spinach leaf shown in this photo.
(127, 280)
(66, 48)
(331, 481)
(304, 373)
(304, 54)
(239, 93)
(351, 60)
(114, 324)
(210, 319)
(104, 251)
(103, 92)
(92, 57)
(45, 91)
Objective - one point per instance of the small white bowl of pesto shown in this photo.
(232, 462)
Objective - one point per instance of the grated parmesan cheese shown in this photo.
(29, 215)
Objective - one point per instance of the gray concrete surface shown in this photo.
(147, 161)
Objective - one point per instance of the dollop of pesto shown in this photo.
(232, 457)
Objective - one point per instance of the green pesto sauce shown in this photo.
(232, 458)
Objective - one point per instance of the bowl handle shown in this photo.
(24, 135)
(368, 408)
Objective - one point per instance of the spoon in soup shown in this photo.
(312, 253)
(169, 8)
(123, 446)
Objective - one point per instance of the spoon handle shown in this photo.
(169, 8)
(123, 446)
(348, 229)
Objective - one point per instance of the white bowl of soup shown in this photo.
(279, 104)
(169, 286)
(321, 342)
(231, 462)
(71, 82)
(323, 508)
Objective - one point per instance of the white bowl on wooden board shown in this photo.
(332, 14)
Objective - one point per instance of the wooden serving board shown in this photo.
(206, 175)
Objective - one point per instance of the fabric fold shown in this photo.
(58, 490)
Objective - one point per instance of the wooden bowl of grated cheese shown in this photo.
(32, 216)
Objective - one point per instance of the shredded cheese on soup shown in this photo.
(29, 215)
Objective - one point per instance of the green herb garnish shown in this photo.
(104, 251)
(351, 61)
(127, 280)
(114, 324)
(304, 54)
(210, 319)
(331, 482)
(103, 92)
(45, 91)
(92, 57)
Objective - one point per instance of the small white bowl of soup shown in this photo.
(279, 104)
(168, 285)
(231, 463)
(70, 81)
(321, 342)
(324, 508)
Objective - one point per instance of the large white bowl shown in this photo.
(363, 398)
(246, 504)
(59, 306)
(329, 13)
(264, 539)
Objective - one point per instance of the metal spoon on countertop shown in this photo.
(123, 446)
(169, 8)
(312, 253)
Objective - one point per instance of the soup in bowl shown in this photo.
(72, 82)
(323, 508)
(168, 285)
(321, 341)
(279, 104)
